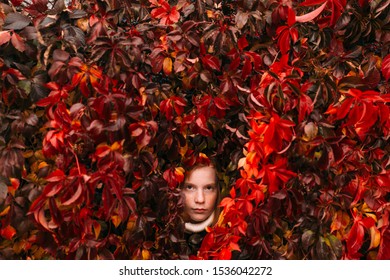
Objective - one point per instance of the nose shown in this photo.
(199, 198)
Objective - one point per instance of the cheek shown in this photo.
(212, 199)
(187, 200)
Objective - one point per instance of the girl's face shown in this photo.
(200, 193)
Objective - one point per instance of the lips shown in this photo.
(199, 210)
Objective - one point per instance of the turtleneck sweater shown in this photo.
(198, 227)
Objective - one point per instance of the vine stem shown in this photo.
(77, 159)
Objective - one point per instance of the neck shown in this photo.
(198, 227)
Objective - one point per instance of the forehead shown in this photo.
(203, 175)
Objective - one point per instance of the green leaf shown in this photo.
(308, 239)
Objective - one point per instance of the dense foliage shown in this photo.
(104, 103)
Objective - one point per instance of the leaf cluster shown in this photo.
(105, 104)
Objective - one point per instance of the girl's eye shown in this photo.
(210, 188)
(189, 187)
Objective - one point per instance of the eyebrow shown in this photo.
(193, 185)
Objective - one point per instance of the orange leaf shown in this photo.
(146, 254)
(167, 66)
(96, 228)
(116, 220)
(5, 211)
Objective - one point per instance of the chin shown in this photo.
(199, 219)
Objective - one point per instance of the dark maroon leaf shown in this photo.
(16, 21)
(3, 191)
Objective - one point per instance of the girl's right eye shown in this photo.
(188, 187)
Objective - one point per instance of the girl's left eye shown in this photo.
(210, 188)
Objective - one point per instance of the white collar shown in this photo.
(199, 226)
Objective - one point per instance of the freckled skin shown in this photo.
(200, 194)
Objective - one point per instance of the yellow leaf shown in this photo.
(340, 221)
(327, 242)
(145, 254)
(375, 237)
(28, 154)
(221, 220)
(5, 211)
(116, 146)
(167, 66)
(39, 155)
(183, 150)
(210, 14)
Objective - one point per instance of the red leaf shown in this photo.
(312, 2)
(18, 42)
(227, 203)
(386, 67)
(52, 189)
(8, 232)
(202, 126)
(306, 106)
(368, 222)
(178, 104)
(309, 16)
(55, 212)
(283, 38)
(167, 109)
(235, 63)
(355, 239)
(384, 248)
(167, 14)
(56, 176)
(337, 6)
(75, 196)
(225, 254)
(246, 70)
(275, 175)
(242, 43)
(291, 17)
(131, 203)
(277, 131)
(5, 36)
(211, 62)
(220, 103)
(344, 109)
(40, 217)
(16, 2)
(143, 132)
(255, 58)
(174, 176)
